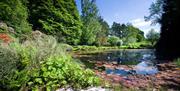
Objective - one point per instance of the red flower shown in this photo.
(5, 38)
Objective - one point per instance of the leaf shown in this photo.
(39, 80)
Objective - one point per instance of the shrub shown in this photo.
(8, 65)
(5, 38)
(66, 47)
(85, 48)
(59, 71)
(113, 40)
(40, 63)
(17, 64)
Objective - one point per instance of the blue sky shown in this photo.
(125, 11)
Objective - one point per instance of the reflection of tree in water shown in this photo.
(126, 57)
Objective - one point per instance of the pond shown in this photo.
(142, 59)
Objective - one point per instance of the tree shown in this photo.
(102, 34)
(152, 36)
(91, 25)
(128, 33)
(56, 17)
(14, 13)
(113, 40)
(156, 12)
(167, 48)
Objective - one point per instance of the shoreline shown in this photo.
(168, 77)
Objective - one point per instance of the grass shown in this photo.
(139, 45)
(177, 62)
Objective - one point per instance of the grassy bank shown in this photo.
(140, 45)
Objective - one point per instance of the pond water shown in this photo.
(143, 59)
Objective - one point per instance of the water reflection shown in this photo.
(118, 72)
(146, 68)
(143, 68)
(142, 58)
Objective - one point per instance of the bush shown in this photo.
(85, 48)
(8, 65)
(59, 71)
(66, 47)
(113, 40)
(40, 63)
(19, 63)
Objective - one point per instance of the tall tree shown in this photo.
(14, 13)
(152, 36)
(116, 29)
(91, 24)
(128, 33)
(102, 34)
(156, 11)
(56, 17)
(168, 45)
(167, 48)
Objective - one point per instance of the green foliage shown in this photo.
(113, 40)
(85, 48)
(152, 36)
(177, 62)
(128, 33)
(61, 71)
(139, 45)
(8, 62)
(40, 63)
(89, 32)
(101, 36)
(16, 63)
(66, 47)
(156, 11)
(14, 13)
(91, 26)
(56, 17)
(167, 47)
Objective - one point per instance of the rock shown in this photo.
(3, 25)
(65, 89)
(96, 89)
(5, 28)
(37, 34)
(89, 89)
(11, 30)
(166, 66)
(114, 63)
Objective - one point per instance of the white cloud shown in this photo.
(140, 22)
(144, 26)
